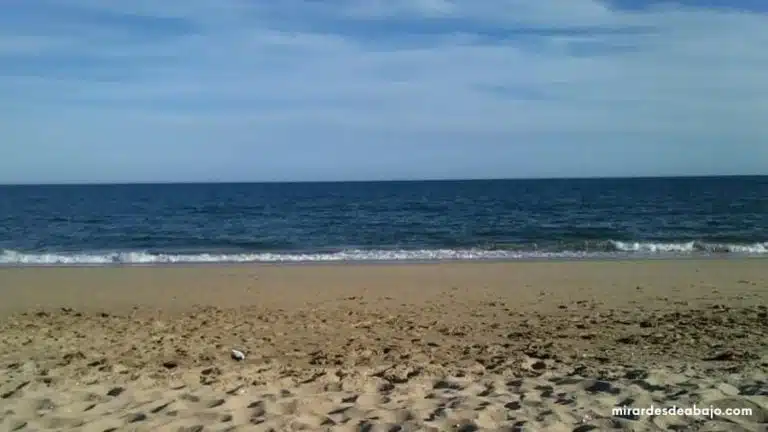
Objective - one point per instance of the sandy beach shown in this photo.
(534, 346)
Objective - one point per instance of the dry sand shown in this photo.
(545, 346)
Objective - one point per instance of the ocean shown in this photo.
(383, 221)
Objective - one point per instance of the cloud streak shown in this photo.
(308, 90)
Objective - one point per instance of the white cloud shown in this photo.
(663, 77)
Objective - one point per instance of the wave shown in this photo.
(691, 247)
(607, 249)
(355, 255)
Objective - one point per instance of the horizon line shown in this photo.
(395, 180)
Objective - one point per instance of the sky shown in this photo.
(315, 90)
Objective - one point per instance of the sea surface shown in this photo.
(383, 221)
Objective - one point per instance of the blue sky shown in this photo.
(246, 90)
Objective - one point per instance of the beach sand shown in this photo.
(529, 346)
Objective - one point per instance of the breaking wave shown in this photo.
(691, 247)
(607, 249)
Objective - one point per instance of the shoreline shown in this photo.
(475, 345)
(609, 257)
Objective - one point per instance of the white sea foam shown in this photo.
(16, 258)
(654, 247)
(619, 249)
(691, 247)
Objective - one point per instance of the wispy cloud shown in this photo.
(240, 89)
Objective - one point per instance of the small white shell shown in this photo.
(238, 355)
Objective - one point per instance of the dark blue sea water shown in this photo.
(422, 220)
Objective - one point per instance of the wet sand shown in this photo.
(456, 346)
